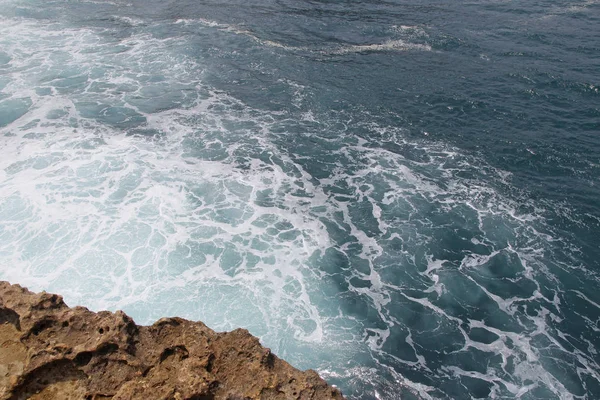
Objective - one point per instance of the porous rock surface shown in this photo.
(51, 351)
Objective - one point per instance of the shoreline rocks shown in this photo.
(51, 351)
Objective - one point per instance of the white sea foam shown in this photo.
(390, 45)
(129, 20)
(95, 196)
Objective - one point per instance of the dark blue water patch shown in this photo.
(161, 97)
(4, 59)
(121, 117)
(483, 335)
(13, 109)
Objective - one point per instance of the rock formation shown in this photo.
(51, 351)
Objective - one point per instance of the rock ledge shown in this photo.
(51, 351)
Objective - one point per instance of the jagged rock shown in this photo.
(51, 351)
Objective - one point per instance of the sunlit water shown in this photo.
(401, 196)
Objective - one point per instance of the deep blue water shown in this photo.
(403, 196)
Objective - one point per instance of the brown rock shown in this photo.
(51, 351)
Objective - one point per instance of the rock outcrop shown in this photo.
(51, 351)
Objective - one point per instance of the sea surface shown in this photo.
(401, 195)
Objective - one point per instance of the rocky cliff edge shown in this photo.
(51, 351)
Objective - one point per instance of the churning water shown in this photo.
(401, 195)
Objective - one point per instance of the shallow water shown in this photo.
(402, 196)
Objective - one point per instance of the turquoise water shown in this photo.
(403, 196)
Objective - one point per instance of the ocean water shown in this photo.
(401, 195)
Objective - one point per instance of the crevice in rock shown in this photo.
(181, 351)
(47, 374)
(10, 316)
(41, 325)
